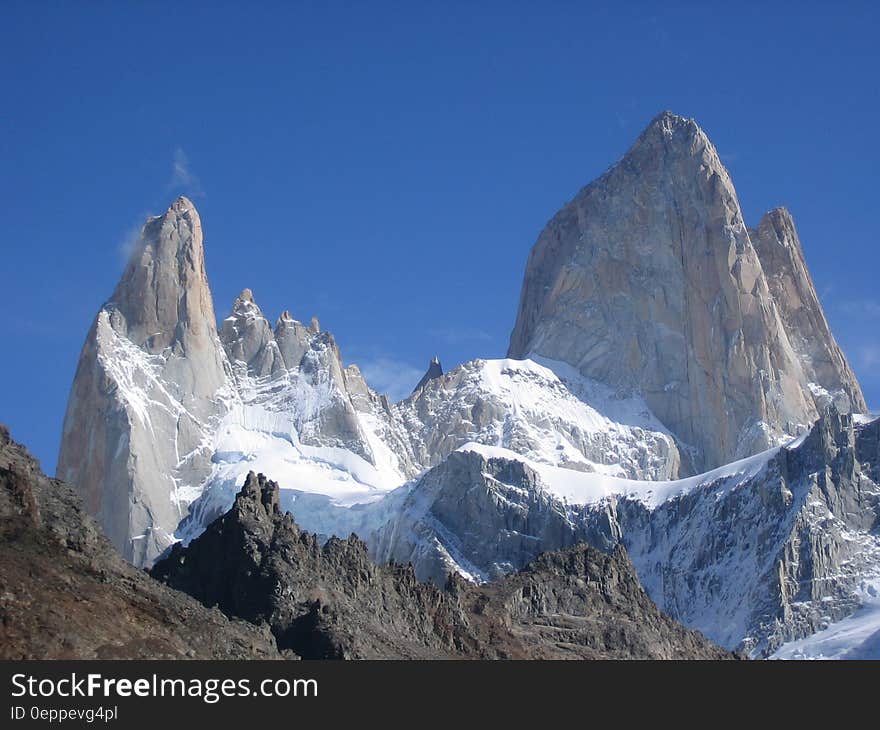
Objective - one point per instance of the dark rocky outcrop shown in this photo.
(332, 601)
(65, 593)
(435, 370)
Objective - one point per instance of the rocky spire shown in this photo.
(782, 258)
(293, 339)
(435, 370)
(136, 424)
(163, 299)
(649, 281)
(249, 339)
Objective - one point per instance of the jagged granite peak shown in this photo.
(151, 384)
(249, 339)
(332, 601)
(293, 338)
(782, 258)
(163, 299)
(648, 281)
(68, 594)
(291, 380)
(435, 370)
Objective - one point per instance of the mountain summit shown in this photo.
(650, 281)
(150, 386)
(435, 370)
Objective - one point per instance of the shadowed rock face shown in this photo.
(435, 370)
(334, 602)
(150, 386)
(67, 594)
(649, 281)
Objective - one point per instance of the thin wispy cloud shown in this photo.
(183, 179)
(390, 376)
(861, 308)
(130, 240)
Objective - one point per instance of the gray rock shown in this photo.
(293, 339)
(824, 364)
(482, 517)
(151, 384)
(247, 337)
(750, 561)
(649, 281)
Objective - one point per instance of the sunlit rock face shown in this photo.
(649, 281)
(151, 385)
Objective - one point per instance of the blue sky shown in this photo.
(387, 166)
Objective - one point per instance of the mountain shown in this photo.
(649, 281)
(518, 405)
(682, 397)
(68, 594)
(151, 386)
(167, 415)
(333, 602)
(823, 363)
(755, 554)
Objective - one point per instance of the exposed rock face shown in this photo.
(664, 338)
(333, 602)
(579, 603)
(481, 517)
(293, 375)
(554, 417)
(435, 370)
(323, 603)
(786, 551)
(824, 364)
(753, 555)
(248, 338)
(150, 387)
(520, 405)
(67, 594)
(649, 281)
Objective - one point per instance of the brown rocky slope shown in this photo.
(65, 593)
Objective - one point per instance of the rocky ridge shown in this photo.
(754, 555)
(333, 601)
